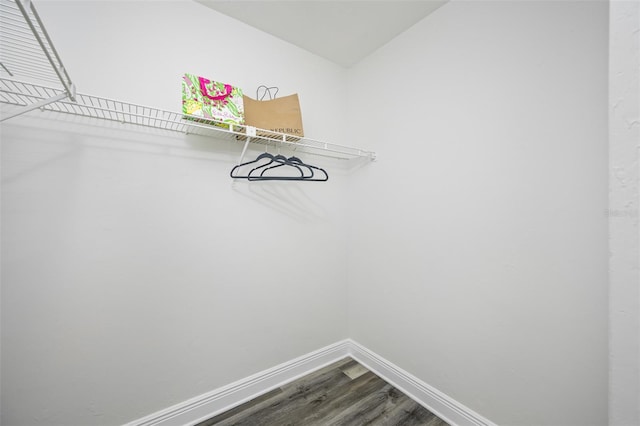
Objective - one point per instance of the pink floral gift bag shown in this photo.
(209, 99)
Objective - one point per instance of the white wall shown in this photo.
(135, 275)
(479, 240)
(624, 135)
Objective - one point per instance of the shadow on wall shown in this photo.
(97, 133)
(43, 139)
(287, 198)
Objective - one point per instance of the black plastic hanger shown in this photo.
(259, 158)
(283, 161)
(295, 161)
(311, 178)
(262, 171)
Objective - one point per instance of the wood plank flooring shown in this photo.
(343, 393)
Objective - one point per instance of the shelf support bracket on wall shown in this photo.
(29, 52)
(46, 45)
(33, 106)
(251, 131)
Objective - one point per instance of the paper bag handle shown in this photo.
(203, 89)
(267, 91)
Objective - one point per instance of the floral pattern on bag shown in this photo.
(208, 99)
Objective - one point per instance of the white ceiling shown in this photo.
(342, 31)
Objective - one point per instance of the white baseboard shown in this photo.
(222, 399)
(210, 404)
(435, 401)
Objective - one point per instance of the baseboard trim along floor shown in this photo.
(212, 403)
(219, 400)
(445, 407)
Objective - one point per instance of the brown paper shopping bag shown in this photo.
(280, 115)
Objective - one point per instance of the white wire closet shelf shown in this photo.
(27, 52)
(18, 93)
(32, 77)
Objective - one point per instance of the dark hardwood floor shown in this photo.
(343, 393)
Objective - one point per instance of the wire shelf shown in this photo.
(19, 94)
(28, 60)
(27, 50)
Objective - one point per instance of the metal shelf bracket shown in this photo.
(28, 52)
(33, 106)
